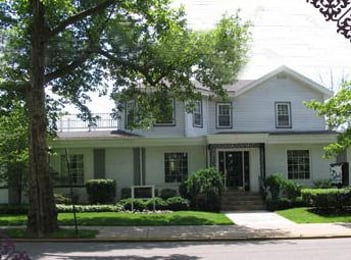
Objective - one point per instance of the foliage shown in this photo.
(61, 208)
(126, 193)
(13, 209)
(101, 190)
(204, 188)
(177, 203)
(281, 187)
(160, 204)
(61, 199)
(138, 204)
(14, 147)
(55, 52)
(168, 193)
(323, 183)
(337, 111)
(285, 203)
(327, 198)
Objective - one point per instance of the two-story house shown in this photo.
(263, 128)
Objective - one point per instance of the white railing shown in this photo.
(73, 123)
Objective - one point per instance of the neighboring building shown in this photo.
(263, 128)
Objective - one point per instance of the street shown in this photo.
(264, 249)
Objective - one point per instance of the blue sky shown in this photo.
(284, 32)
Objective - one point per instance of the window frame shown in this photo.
(173, 123)
(198, 109)
(63, 175)
(129, 108)
(278, 123)
(230, 116)
(299, 168)
(181, 171)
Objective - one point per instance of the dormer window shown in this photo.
(197, 114)
(224, 115)
(283, 115)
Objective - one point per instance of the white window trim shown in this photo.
(309, 162)
(288, 104)
(230, 115)
(200, 112)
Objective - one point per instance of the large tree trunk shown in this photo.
(42, 215)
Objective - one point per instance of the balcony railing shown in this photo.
(71, 122)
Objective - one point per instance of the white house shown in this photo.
(263, 128)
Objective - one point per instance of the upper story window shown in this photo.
(166, 115)
(197, 114)
(176, 167)
(298, 164)
(72, 171)
(224, 115)
(129, 116)
(283, 115)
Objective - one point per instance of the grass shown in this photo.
(129, 219)
(62, 233)
(310, 215)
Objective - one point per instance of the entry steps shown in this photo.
(241, 201)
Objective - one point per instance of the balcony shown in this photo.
(71, 122)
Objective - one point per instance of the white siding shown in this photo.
(155, 163)
(255, 109)
(197, 131)
(276, 161)
(4, 195)
(119, 166)
(177, 130)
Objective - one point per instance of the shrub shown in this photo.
(126, 193)
(101, 191)
(61, 199)
(89, 208)
(281, 187)
(323, 183)
(138, 204)
(13, 209)
(168, 193)
(177, 203)
(274, 183)
(160, 204)
(327, 198)
(204, 189)
(285, 203)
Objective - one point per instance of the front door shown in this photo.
(235, 167)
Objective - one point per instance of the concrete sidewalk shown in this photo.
(249, 225)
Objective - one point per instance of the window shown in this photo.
(282, 115)
(197, 114)
(166, 115)
(75, 174)
(298, 164)
(176, 167)
(129, 119)
(224, 115)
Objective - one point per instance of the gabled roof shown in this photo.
(241, 87)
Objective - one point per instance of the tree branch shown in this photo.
(61, 72)
(79, 16)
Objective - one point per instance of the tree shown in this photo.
(337, 111)
(68, 48)
(14, 150)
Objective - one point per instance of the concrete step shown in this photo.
(240, 201)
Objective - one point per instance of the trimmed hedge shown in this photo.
(13, 209)
(327, 198)
(285, 203)
(61, 208)
(101, 191)
(168, 193)
(174, 203)
(281, 187)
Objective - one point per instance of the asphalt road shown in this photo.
(269, 249)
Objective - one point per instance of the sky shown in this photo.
(284, 32)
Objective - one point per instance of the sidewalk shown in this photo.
(249, 226)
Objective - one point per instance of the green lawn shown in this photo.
(309, 215)
(130, 219)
